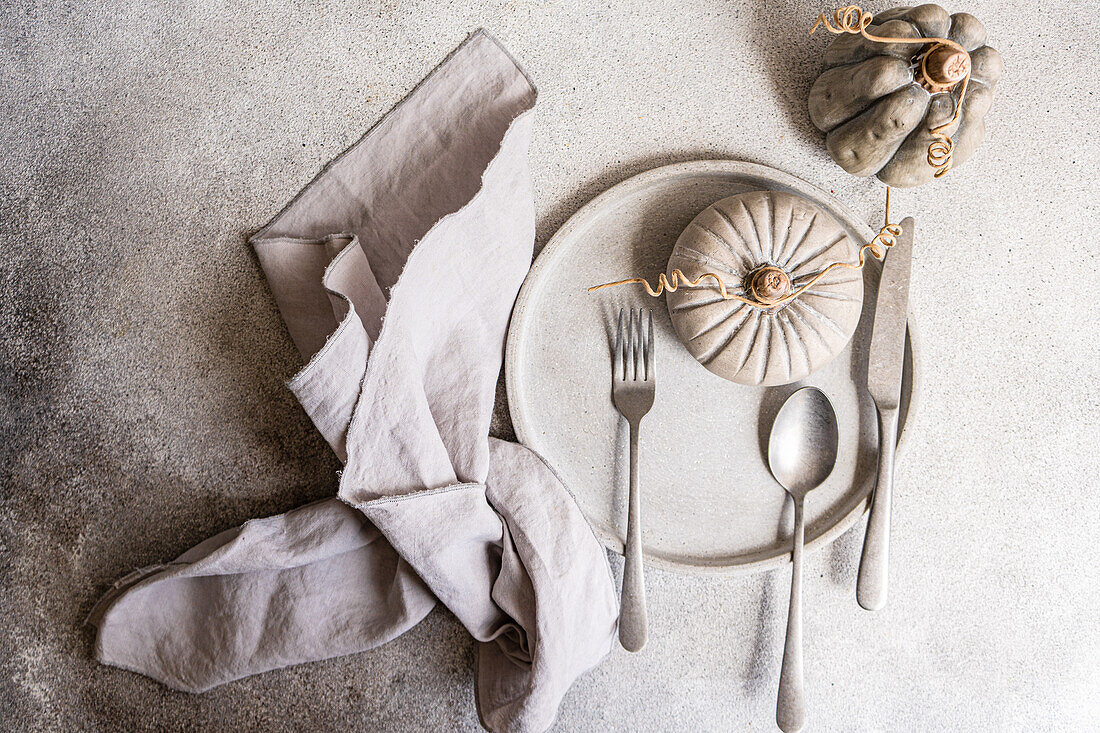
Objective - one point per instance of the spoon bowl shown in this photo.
(802, 451)
(803, 446)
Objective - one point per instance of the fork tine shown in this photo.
(639, 348)
(629, 364)
(649, 347)
(618, 358)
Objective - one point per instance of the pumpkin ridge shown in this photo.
(912, 154)
(818, 293)
(783, 338)
(816, 253)
(725, 242)
(828, 281)
(971, 129)
(789, 323)
(916, 30)
(765, 345)
(986, 66)
(826, 319)
(977, 103)
(891, 14)
(750, 342)
(786, 231)
(801, 238)
(967, 31)
(810, 326)
(842, 93)
(697, 303)
(760, 239)
(924, 18)
(733, 227)
(755, 234)
(890, 114)
(720, 321)
(709, 355)
(705, 260)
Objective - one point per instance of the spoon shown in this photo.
(801, 452)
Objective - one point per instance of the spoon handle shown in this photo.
(790, 712)
(874, 563)
(632, 613)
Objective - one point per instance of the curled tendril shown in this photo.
(679, 279)
(855, 20)
(939, 154)
(849, 19)
(886, 238)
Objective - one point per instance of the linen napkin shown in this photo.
(396, 271)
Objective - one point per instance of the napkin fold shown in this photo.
(396, 270)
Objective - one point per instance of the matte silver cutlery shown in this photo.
(802, 451)
(632, 392)
(884, 373)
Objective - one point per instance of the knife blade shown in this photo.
(884, 373)
(891, 317)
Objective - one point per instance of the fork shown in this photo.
(632, 390)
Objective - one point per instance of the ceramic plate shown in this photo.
(709, 502)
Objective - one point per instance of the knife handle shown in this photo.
(875, 561)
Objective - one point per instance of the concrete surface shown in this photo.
(143, 360)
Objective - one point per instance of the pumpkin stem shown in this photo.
(769, 284)
(943, 67)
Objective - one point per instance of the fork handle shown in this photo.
(632, 613)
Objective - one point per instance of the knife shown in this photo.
(884, 383)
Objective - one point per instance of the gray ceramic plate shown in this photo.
(709, 503)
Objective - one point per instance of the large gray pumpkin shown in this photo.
(739, 237)
(878, 109)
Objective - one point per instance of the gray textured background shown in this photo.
(143, 406)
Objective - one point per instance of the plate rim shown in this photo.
(547, 255)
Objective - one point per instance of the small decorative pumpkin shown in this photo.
(763, 245)
(880, 103)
